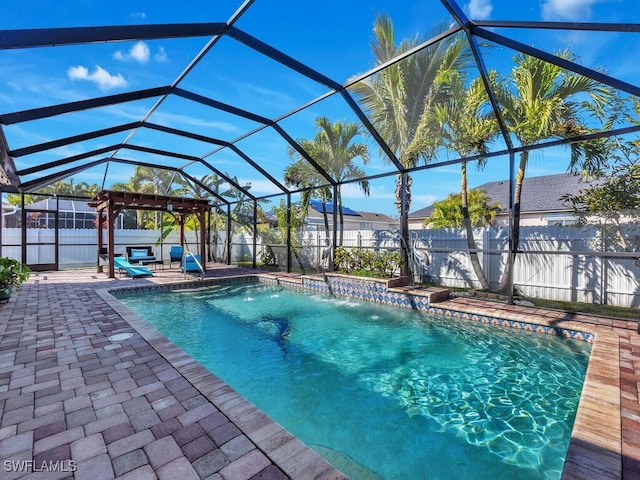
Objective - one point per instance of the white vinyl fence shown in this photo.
(78, 247)
(568, 263)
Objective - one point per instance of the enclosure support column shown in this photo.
(203, 239)
(404, 224)
(334, 243)
(512, 246)
(288, 239)
(228, 239)
(255, 231)
(23, 250)
(110, 237)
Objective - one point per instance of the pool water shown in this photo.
(383, 392)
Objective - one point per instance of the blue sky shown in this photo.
(331, 36)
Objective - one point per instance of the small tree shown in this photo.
(612, 202)
(448, 213)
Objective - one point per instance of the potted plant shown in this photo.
(12, 274)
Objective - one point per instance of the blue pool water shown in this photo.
(383, 392)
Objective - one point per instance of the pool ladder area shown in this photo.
(186, 253)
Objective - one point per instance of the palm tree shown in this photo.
(302, 174)
(398, 97)
(461, 122)
(334, 150)
(148, 180)
(539, 101)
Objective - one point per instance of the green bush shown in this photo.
(357, 260)
(267, 257)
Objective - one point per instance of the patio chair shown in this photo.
(191, 263)
(122, 264)
(175, 254)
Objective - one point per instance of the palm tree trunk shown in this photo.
(471, 241)
(515, 226)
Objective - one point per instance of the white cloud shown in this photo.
(103, 79)
(569, 10)
(479, 9)
(161, 56)
(139, 53)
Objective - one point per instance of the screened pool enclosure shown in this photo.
(308, 128)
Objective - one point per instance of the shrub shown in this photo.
(380, 264)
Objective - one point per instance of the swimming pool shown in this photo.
(381, 391)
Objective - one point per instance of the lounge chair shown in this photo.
(191, 263)
(122, 264)
(175, 254)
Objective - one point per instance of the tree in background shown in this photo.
(398, 97)
(60, 188)
(541, 101)
(333, 148)
(461, 122)
(612, 201)
(155, 181)
(449, 213)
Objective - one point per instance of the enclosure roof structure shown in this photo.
(223, 100)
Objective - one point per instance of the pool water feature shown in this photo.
(392, 392)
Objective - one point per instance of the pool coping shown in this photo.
(595, 448)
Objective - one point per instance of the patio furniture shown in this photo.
(191, 263)
(141, 255)
(122, 264)
(175, 254)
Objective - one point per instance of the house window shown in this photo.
(560, 220)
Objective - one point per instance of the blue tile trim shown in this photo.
(361, 289)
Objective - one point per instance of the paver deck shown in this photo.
(142, 408)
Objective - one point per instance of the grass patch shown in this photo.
(589, 308)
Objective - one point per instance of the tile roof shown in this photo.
(539, 194)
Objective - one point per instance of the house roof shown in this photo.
(316, 208)
(539, 194)
(376, 217)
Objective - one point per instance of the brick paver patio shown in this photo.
(141, 408)
(69, 395)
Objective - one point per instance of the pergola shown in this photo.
(110, 203)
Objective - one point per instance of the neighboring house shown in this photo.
(353, 219)
(541, 201)
(71, 214)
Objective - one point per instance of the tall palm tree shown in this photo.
(334, 149)
(397, 97)
(540, 101)
(461, 122)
